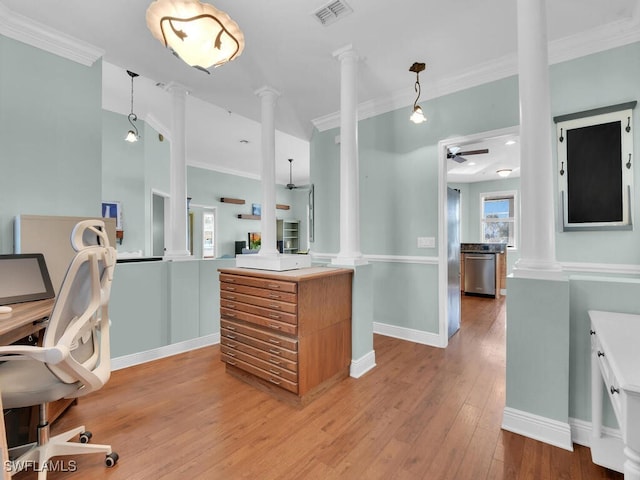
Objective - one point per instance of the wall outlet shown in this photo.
(426, 242)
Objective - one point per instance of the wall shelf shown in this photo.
(280, 206)
(237, 201)
(248, 217)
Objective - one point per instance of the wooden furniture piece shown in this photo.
(26, 319)
(287, 333)
(615, 362)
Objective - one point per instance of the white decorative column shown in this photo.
(349, 253)
(268, 258)
(537, 226)
(268, 98)
(176, 243)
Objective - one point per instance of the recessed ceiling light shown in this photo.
(471, 164)
(510, 142)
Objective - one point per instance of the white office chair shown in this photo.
(74, 358)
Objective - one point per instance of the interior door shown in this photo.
(453, 260)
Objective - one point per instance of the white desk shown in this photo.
(615, 363)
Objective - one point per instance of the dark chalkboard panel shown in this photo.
(594, 174)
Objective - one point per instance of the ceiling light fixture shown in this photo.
(504, 172)
(132, 135)
(417, 116)
(198, 33)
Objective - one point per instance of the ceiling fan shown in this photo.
(291, 185)
(455, 153)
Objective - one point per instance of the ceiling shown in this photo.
(504, 154)
(463, 42)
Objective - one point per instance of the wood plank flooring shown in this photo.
(422, 413)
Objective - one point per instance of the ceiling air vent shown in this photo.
(332, 11)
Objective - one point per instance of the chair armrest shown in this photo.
(52, 355)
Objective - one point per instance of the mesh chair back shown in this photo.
(80, 319)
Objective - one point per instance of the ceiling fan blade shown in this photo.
(458, 158)
(474, 152)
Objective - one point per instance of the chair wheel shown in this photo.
(111, 459)
(85, 437)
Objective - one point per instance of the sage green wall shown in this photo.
(50, 130)
(206, 187)
(398, 174)
(130, 171)
(598, 80)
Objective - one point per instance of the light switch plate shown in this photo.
(426, 242)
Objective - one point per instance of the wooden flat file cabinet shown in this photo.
(288, 333)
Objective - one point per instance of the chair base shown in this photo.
(37, 455)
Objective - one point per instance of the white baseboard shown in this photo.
(409, 334)
(539, 428)
(363, 364)
(165, 351)
(581, 432)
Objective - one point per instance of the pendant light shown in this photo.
(132, 135)
(198, 33)
(417, 116)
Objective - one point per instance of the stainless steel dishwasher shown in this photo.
(480, 273)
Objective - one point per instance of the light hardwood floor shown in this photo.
(422, 413)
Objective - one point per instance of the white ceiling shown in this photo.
(463, 42)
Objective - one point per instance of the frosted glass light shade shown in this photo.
(417, 116)
(200, 34)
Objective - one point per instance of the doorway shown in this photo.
(158, 223)
(484, 166)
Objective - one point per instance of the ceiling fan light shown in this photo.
(198, 33)
(504, 172)
(131, 137)
(417, 116)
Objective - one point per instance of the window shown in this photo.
(498, 218)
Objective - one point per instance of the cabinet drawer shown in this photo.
(268, 313)
(275, 370)
(233, 339)
(258, 372)
(231, 288)
(272, 338)
(278, 285)
(266, 302)
(277, 361)
(273, 324)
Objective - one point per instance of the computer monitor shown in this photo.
(24, 278)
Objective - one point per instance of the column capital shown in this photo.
(176, 88)
(346, 53)
(266, 90)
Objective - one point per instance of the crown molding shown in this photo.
(25, 30)
(611, 35)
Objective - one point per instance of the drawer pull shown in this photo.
(232, 337)
(277, 327)
(275, 316)
(275, 372)
(614, 390)
(277, 307)
(273, 380)
(229, 314)
(231, 345)
(600, 354)
(273, 285)
(230, 305)
(274, 295)
(275, 342)
(274, 351)
(229, 327)
(231, 297)
(230, 289)
(231, 363)
(230, 354)
(275, 361)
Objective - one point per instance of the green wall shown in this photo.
(50, 131)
